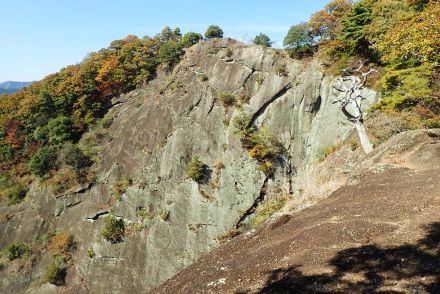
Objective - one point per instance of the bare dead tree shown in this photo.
(351, 84)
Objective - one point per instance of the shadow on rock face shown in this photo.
(207, 174)
(409, 268)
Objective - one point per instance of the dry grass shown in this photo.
(60, 244)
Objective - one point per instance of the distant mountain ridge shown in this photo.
(9, 87)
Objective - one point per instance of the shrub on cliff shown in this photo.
(228, 99)
(114, 229)
(196, 169)
(14, 251)
(73, 155)
(14, 190)
(55, 274)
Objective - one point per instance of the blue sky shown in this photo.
(39, 37)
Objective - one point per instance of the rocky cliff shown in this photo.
(152, 135)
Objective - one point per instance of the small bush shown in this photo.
(264, 146)
(196, 169)
(64, 179)
(241, 122)
(228, 99)
(267, 167)
(14, 190)
(6, 153)
(229, 52)
(260, 79)
(114, 229)
(144, 215)
(73, 155)
(281, 70)
(90, 253)
(121, 186)
(165, 215)
(203, 77)
(14, 251)
(326, 152)
(55, 274)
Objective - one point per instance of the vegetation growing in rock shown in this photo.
(14, 251)
(267, 209)
(228, 235)
(326, 152)
(229, 52)
(203, 77)
(60, 244)
(197, 169)
(121, 186)
(90, 253)
(261, 144)
(228, 99)
(114, 229)
(14, 190)
(55, 274)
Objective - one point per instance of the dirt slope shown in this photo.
(378, 235)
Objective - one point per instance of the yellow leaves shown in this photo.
(415, 38)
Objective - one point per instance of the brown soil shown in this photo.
(380, 235)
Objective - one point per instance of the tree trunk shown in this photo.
(363, 137)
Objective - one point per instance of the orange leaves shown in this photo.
(108, 83)
(60, 244)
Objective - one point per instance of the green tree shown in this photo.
(354, 27)
(213, 31)
(57, 130)
(298, 39)
(384, 17)
(42, 161)
(262, 40)
(170, 52)
(191, 38)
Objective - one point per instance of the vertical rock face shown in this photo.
(155, 132)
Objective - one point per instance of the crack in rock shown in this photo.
(97, 215)
(262, 109)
